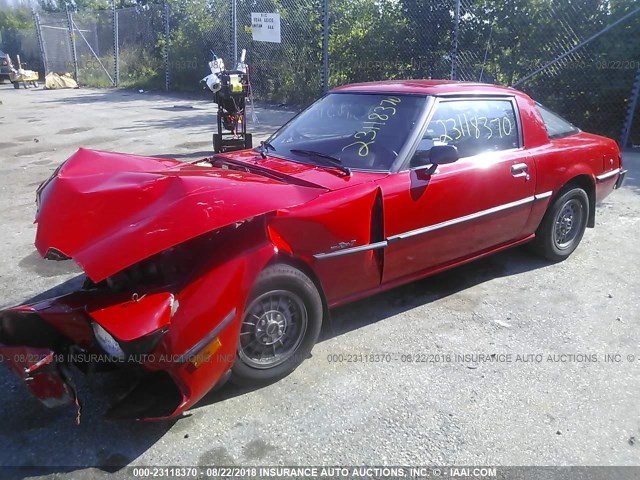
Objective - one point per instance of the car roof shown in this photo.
(429, 87)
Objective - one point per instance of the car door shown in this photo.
(464, 208)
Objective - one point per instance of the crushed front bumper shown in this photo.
(43, 343)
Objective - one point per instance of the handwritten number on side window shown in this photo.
(474, 127)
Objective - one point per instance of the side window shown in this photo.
(557, 127)
(474, 126)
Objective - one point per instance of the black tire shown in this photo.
(275, 337)
(563, 225)
(16, 85)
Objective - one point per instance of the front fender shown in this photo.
(219, 296)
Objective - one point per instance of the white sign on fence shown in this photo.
(265, 27)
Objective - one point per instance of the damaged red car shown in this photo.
(228, 266)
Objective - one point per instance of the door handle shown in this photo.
(520, 170)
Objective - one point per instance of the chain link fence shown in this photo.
(55, 37)
(507, 43)
(580, 58)
(140, 40)
(631, 137)
(93, 47)
(196, 29)
(393, 40)
(289, 71)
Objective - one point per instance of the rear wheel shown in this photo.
(280, 326)
(563, 225)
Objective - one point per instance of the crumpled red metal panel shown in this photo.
(137, 317)
(108, 211)
(36, 367)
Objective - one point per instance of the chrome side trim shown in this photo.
(347, 251)
(431, 228)
(540, 196)
(604, 176)
(193, 351)
(455, 221)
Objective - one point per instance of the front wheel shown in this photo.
(563, 225)
(280, 326)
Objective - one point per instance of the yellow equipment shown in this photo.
(20, 76)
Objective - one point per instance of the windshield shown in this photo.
(362, 131)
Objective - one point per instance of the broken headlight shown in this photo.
(136, 351)
(106, 341)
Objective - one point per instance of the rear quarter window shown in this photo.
(557, 127)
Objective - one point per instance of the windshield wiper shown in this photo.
(327, 159)
(264, 147)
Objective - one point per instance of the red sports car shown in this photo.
(227, 267)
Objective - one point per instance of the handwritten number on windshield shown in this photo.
(380, 108)
(366, 136)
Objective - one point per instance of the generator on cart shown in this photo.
(231, 90)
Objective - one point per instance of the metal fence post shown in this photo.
(454, 43)
(116, 47)
(74, 53)
(325, 46)
(234, 31)
(166, 46)
(43, 54)
(633, 104)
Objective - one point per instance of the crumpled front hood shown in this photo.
(108, 211)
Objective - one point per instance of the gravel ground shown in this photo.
(567, 406)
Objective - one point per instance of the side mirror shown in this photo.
(436, 155)
(442, 154)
